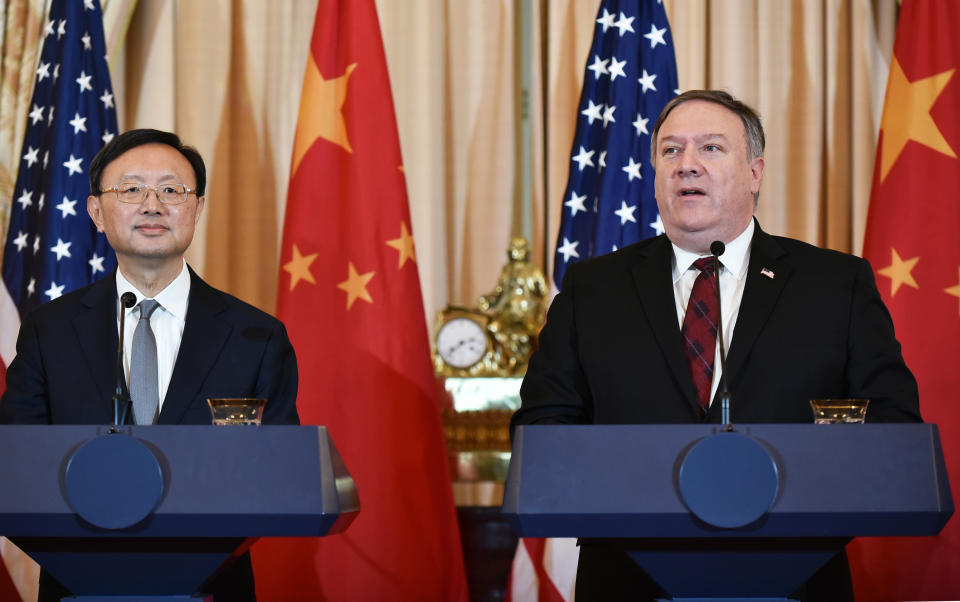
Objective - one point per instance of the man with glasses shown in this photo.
(147, 195)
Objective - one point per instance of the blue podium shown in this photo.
(757, 510)
(152, 512)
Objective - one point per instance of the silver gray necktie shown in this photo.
(144, 388)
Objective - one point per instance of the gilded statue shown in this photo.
(517, 308)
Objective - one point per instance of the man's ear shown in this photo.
(201, 202)
(756, 171)
(95, 211)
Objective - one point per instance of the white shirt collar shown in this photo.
(173, 298)
(734, 258)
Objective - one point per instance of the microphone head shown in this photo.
(717, 248)
(128, 299)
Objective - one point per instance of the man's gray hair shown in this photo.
(751, 121)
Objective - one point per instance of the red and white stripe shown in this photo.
(544, 570)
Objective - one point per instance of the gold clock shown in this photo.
(463, 346)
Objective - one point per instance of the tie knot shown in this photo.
(147, 307)
(704, 264)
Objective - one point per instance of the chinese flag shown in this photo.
(913, 243)
(349, 294)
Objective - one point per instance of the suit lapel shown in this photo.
(204, 335)
(650, 273)
(766, 277)
(96, 329)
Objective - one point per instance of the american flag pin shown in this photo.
(767, 272)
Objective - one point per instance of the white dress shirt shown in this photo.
(166, 322)
(733, 276)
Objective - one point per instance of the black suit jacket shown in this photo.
(611, 350)
(64, 373)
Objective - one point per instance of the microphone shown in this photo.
(716, 249)
(120, 394)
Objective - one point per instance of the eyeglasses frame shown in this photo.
(187, 191)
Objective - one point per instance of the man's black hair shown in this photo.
(134, 138)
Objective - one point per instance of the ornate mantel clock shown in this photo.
(497, 337)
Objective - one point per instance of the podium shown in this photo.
(757, 510)
(151, 512)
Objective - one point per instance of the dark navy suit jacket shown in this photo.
(64, 372)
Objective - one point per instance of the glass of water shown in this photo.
(237, 410)
(839, 411)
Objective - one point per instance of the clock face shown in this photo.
(461, 342)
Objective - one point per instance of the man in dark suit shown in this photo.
(799, 322)
(146, 195)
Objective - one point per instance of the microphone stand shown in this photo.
(120, 395)
(717, 248)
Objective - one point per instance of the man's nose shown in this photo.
(152, 204)
(689, 164)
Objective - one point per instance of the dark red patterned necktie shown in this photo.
(700, 330)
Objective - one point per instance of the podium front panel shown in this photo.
(620, 481)
(219, 481)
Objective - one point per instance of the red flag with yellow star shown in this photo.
(913, 243)
(349, 294)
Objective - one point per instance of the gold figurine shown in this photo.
(496, 338)
(517, 307)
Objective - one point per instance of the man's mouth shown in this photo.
(691, 192)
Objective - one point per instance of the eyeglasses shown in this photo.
(136, 192)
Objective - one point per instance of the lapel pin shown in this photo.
(767, 272)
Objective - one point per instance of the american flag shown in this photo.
(52, 246)
(630, 76)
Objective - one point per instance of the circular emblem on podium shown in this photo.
(113, 481)
(728, 480)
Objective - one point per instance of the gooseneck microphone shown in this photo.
(716, 249)
(121, 397)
